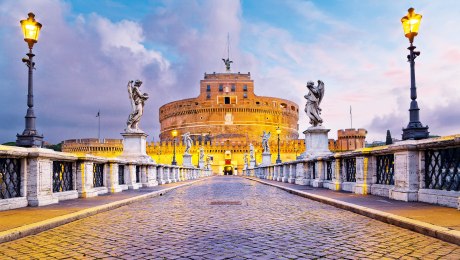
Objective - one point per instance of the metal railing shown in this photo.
(62, 176)
(98, 175)
(385, 169)
(121, 174)
(10, 179)
(350, 169)
(442, 169)
(329, 170)
(138, 174)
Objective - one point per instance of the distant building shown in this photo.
(348, 140)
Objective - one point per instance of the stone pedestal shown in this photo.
(134, 147)
(201, 164)
(252, 164)
(187, 160)
(266, 158)
(316, 142)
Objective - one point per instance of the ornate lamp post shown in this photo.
(174, 134)
(278, 132)
(415, 129)
(30, 137)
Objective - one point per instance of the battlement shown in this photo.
(219, 76)
(351, 132)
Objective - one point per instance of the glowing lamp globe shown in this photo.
(411, 24)
(31, 30)
(174, 133)
(278, 130)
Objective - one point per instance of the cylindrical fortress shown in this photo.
(227, 110)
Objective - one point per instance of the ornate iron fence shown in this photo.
(350, 169)
(385, 169)
(62, 176)
(329, 170)
(98, 175)
(138, 173)
(312, 166)
(10, 178)
(442, 169)
(121, 174)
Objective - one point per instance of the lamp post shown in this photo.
(30, 137)
(174, 134)
(278, 132)
(415, 130)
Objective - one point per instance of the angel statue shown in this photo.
(314, 98)
(245, 158)
(137, 105)
(201, 153)
(265, 137)
(227, 63)
(188, 142)
(251, 152)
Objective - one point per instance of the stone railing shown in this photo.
(424, 170)
(37, 177)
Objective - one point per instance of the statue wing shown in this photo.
(320, 91)
(130, 92)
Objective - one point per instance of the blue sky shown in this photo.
(88, 50)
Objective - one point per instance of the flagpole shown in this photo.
(351, 118)
(99, 125)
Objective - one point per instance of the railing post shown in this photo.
(131, 180)
(40, 181)
(85, 178)
(291, 172)
(301, 178)
(365, 171)
(337, 176)
(407, 172)
(112, 177)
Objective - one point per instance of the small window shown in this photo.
(245, 88)
(208, 96)
(233, 88)
(245, 95)
(227, 100)
(257, 103)
(221, 88)
(208, 88)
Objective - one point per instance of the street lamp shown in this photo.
(278, 132)
(174, 134)
(415, 129)
(30, 137)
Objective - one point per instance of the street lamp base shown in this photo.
(415, 133)
(29, 140)
(278, 161)
(174, 163)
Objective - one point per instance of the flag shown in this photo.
(98, 114)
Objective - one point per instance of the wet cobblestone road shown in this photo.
(194, 222)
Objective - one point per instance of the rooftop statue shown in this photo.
(188, 142)
(265, 137)
(227, 63)
(137, 104)
(314, 98)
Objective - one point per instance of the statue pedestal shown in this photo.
(316, 142)
(187, 160)
(134, 147)
(201, 164)
(266, 158)
(252, 164)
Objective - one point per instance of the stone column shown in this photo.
(365, 170)
(131, 180)
(85, 179)
(337, 176)
(292, 173)
(40, 181)
(151, 176)
(407, 172)
(112, 177)
(285, 173)
(319, 175)
(301, 175)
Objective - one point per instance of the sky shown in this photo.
(89, 50)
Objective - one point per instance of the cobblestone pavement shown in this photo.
(207, 221)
